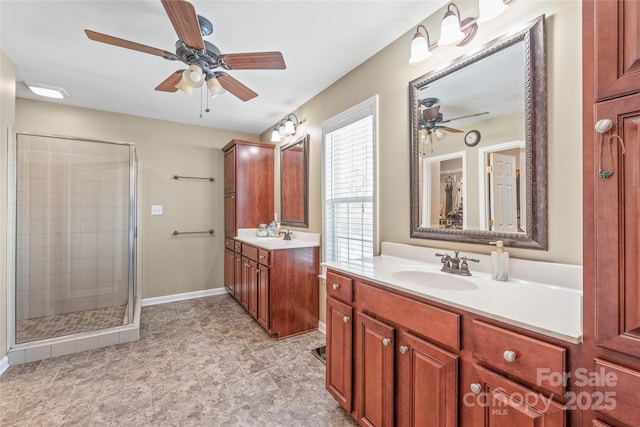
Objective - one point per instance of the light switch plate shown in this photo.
(156, 209)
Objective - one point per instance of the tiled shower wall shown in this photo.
(72, 226)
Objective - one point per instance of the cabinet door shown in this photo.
(374, 364)
(498, 402)
(339, 352)
(263, 296)
(237, 277)
(617, 50)
(616, 216)
(427, 384)
(230, 215)
(244, 285)
(229, 269)
(252, 288)
(230, 170)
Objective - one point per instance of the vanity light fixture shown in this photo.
(46, 90)
(491, 9)
(275, 135)
(289, 126)
(285, 127)
(455, 31)
(420, 46)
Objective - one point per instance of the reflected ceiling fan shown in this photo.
(433, 121)
(201, 57)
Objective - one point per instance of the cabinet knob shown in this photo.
(345, 319)
(233, 197)
(336, 286)
(475, 388)
(257, 270)
(261, 256)
(386, 341)
(404, 349)
(509, 356)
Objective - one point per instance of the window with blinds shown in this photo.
(349, 184)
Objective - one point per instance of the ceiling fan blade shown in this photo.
(104, 38)
(431, 113)
(450, 130)
(464, 117)
(254, 61)
(235, 87)
(185, 21)
(169, 84)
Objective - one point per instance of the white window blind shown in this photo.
(349, 184)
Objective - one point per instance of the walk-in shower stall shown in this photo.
(74, 236)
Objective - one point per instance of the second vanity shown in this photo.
(409, 345)
(275, 280)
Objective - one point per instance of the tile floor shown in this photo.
(202, 362)
(69, 323)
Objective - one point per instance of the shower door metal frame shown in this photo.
(12, 227)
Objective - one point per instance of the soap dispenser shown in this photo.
(499, 262)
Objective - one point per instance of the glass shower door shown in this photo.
(74, 207)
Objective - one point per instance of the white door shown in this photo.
(503, 193)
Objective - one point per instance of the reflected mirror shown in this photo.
(478, 145)
(294, 164)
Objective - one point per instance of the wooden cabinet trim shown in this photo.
(339, 351)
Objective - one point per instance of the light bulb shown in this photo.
(450, 33)
(419, 49)
(490, 10)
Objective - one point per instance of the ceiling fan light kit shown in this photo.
(455, 31)
(201, 57)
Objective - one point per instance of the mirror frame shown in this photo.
(535, 139)
(304, 140)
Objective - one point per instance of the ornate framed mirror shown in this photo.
(294, 185)
(479, 145)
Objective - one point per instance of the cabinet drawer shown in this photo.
(264, 257)
(430, 322)
(250, 252)
(229, 243)
(534, 361)
(339, 287)
(237, 246)
(616, 390)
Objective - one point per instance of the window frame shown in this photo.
(368, 107)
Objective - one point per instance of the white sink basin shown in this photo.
(435, 280)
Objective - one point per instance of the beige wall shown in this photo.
(388, 74)
(171, 265)
(7, 117)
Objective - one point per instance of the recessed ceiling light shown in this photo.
(49, 91)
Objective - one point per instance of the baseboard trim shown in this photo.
(322, 327)
(184, 296)
(4, 364)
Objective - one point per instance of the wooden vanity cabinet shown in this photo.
(611, 208)
(248, 185)
(401, 363)
(279, 288)
(229, 270)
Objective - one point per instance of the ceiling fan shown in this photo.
(201, 57)
(432, 119)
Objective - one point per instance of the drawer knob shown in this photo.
(336, 286)
(475, 388)
(261, 256)
(509, 356)
(404, 349)
(345, 319)
(386, 341)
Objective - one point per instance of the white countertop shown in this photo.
(549, 309)
(300, 239)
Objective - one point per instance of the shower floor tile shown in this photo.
(69, 323)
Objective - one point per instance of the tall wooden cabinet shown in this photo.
(248, 185)
(611, 81)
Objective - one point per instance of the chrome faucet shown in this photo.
(456, 265)
(287, 235)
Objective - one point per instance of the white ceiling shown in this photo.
(321, 41)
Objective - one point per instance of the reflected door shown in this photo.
(504, 212)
